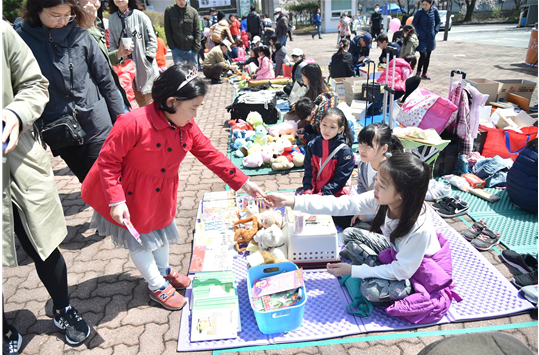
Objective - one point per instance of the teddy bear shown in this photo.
(253, 160)
(271, 238)
(255, 119)
(281, 163)
(285, 128)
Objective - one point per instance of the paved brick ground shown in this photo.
(113, 298)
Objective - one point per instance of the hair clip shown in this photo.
(193, 73)
(388, 154)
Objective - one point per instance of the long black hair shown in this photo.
(167, 85)
(32, 8)
(265, 50)
(317, 85)
(410, 31)
(410, 176)
(343, 43)
(380, 134)
(131, 4)
(343, 122)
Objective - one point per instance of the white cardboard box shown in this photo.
(338, 86)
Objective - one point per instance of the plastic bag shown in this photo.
(297, 92)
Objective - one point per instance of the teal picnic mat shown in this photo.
(518, 228)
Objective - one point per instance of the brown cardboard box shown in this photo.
(521, 101)
(352, 88)
(487, 87)
(520, 87)
(338, 87)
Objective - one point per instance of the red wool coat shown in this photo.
(139, 164)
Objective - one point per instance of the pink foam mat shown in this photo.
(485, 291)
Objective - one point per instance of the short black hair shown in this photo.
(253, 8)
(382, 38)
(220, 15)
(167, 84)
(213, 9)
(303, 107)
(273, 39)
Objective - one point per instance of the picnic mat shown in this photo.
(485, 291)
(518, 228)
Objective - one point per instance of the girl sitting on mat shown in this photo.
(265, 66)
(376, 143)
(329, 160)
(407, 267)
(135, 179)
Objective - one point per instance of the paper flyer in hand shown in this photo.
(132, 229)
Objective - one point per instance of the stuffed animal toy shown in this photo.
(245, 235)
(281, 163)
(239, 143)
(253, 148)
(288, 127)
(250, 135)
(240, 124)
(267, 154)
(268, 218)
(237, 134)
(255, 119)
(289, 152)
(290, 137)
(261, 135)
(272, 240)
(298, 160)
(253, 160)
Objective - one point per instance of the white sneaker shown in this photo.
(437, 190)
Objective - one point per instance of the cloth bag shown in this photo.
(297, 92)
(364, 306)
(506, 143)
(426, 110)
(126, 75)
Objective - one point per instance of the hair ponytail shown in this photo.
(395, 145)
(343, 122)
(343, 43)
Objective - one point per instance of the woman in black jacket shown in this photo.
(80, 79)
(342, 64)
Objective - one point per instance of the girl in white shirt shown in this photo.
(401, 217)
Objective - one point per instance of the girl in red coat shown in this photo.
(405, 81)
(135, 179)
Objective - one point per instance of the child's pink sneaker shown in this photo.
(177, 280)
(168, 297)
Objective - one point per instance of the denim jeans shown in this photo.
(180, 57)
(318, 31)
(283, 40)
(488, 167)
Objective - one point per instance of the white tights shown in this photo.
(153, 265)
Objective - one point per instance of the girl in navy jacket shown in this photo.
(331, 178)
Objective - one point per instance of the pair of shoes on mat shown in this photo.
(524, 263)
(481, 237)
(168, 297)
(451, 206)
(530, 293)
(437, 190)
(524, 280)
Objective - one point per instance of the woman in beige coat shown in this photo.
(221, 30)
(31, 208)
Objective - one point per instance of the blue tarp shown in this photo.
(390, 8)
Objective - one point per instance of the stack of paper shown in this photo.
(215, 307)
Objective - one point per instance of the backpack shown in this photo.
(263, 102)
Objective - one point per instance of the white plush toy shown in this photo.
(272, 240)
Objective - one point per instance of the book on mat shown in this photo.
(215, 308)
(209, 239)
(214, 258)
(278, 283)
(219, 195)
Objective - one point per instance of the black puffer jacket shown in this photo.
(254, 23)
(96, 97)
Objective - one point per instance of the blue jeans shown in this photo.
(180, 57)
(318, 31)
(283, 40)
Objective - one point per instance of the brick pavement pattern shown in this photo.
(111, 295)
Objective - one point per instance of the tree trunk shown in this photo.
(470, 6)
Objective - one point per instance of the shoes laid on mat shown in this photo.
(425, 77)
(453, 209)
(168, 297)
(444, 201)
(437, 190)
(530, 293)
(472, 232)
(486, 240)
(76, 329)
(177, 281)
(522, 262)
(525, 279)
(12, 344)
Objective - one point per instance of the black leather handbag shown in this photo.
(65, 131)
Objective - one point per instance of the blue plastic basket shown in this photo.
(282, 320)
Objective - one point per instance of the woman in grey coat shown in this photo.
(128, 21)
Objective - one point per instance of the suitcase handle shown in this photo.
(458, 71)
